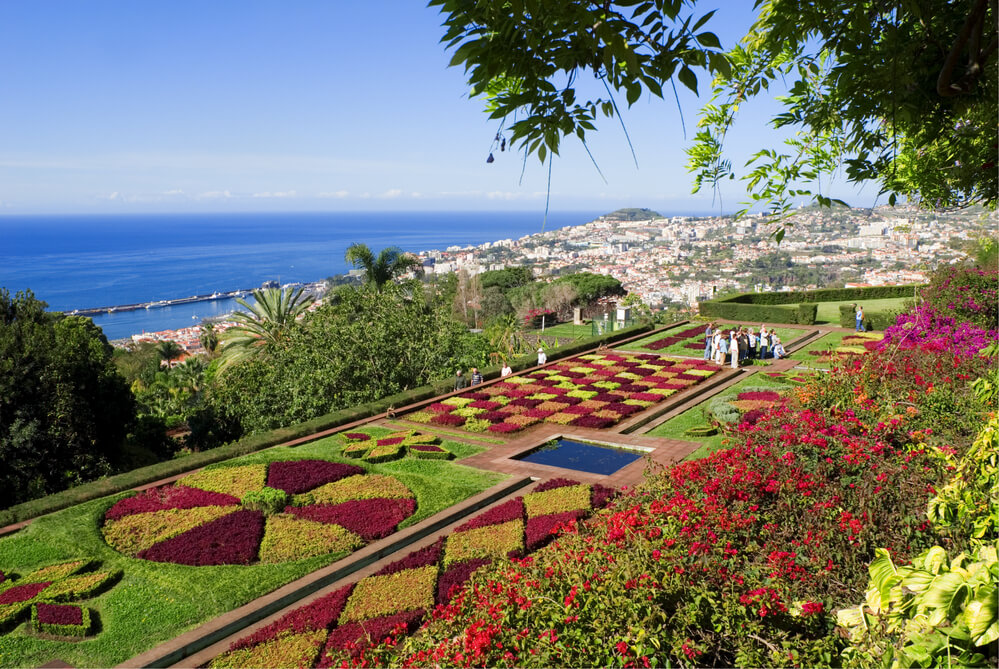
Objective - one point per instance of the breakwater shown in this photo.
(159, 303)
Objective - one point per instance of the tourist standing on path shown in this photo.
(743, 345)
(476, 376)
(506, 371)
(722, 348)
(733, 347)
(542, 357)
(708, 332)
(459, 381)
(779, 351)
(764, 342)
(860, 319)
(752, 341)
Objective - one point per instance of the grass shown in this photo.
(828, 312)
(565, 330)
(786, 335)
(675, 427)
(827, 343)
(155, 602)
(444, 434)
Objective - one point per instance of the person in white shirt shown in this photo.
(779, 351)
(542, 357)
(506, 371)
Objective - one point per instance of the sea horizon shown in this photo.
(87, 261)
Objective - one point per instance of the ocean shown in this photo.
(80, 262)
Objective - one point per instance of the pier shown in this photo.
(159, 303)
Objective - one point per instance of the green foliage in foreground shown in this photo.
(155, 602)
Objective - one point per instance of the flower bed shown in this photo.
(397, 598)
(408, 442)
(63, 582)
(334, 508)
(571, 392)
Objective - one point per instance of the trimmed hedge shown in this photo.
(796, 307)
(873, 320)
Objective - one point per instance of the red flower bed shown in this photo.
(448, 419)
(591, 421)
(369, 518)
(498, 515)
(232, 539)
(451, 580)
(168, 497)
(540, 529)
(485, 404)
(22, 593)
(355, 637)
(422, 558)
(503, 428)
(551, 484)
(319, 614)
(60, 614)
(623, 409)
(760, 395)
(298, 476)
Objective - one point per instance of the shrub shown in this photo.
(64, 620)
(701, 431)
(268, 500)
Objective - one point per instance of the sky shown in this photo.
(191, 106)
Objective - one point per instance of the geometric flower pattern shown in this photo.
(595, 390)
(402, 593)
(199, 520)
(39, 590)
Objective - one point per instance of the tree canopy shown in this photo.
(903, 94)
(64, 410)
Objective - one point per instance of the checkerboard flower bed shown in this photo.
(334, 508)
(570, 392)
(400, 595)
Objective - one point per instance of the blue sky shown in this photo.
(290, 106)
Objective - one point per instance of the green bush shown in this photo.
(807, 312)
(701, 431)
(268, 500)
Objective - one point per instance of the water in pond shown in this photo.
(581, 457)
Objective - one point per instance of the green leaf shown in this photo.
(709, 39)
(688, 78)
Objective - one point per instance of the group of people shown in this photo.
(740, 345)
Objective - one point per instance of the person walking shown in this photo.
(860, 319)
(733, 347)
(542, 356)
(708, 332)
(751, 341)
(722, 348)
(476, 376)
(764, 342)
(743, 345)
(459, 381)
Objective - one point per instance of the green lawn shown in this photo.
(567, 330)
(827, 343)
(828, 312)
(786, 334)
(675, 427)
(155, 602)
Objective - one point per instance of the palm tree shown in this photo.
(267, 323)
(390, 263)
(209, 337)
(169, 350)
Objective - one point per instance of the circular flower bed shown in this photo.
(268, 513)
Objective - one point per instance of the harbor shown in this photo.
(232, 294)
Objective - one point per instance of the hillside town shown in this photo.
(685, 259)
(679, 261)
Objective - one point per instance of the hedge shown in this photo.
(873, 320)
(257, 442)
(795, 307)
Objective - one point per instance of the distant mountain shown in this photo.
(632, 214)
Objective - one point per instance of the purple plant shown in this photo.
(601, 495)
(429, 448)
(369, 518)
(540, 529)
(507, 511)
(760, 395)
(503, 428)
(168, 497)
(298, 476)
(429, 555)
(551, 484)
(624, 409)
(60, 614)
(352, 638)
(932, 330)
(591, 421)
(320, 614)
(231, 539)
(493, 416)
(485, 404)
(22, 593)
(450, 582)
